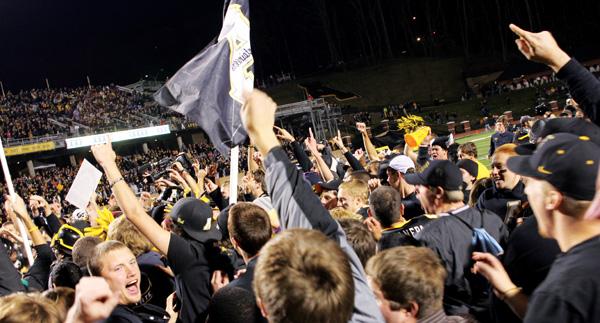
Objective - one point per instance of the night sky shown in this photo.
(122, 41)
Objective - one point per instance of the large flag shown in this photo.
(209, 88)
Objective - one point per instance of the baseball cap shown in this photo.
(401, 163)
(195, 218)
(574, 126)
(441, 141)
(567, 161)
(470, 166)
(442, 173)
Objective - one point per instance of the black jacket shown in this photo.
(452, 241)
(584, 87)
(494, 200)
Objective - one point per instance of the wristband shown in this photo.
(112, 183)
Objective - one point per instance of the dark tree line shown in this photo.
(305, 35)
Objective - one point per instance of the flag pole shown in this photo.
(47, 84)
(11, 191)
(2, 88)
(88, 81)
(233, 174)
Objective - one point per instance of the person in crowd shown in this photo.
(470, 172)
(299, 208)
(249, 230)
(65, 274)
(408, 283)
(450, 236)
(189, 248)
(114, 262)
(502, 135)
(360, 238)
(398, 167)
(560, 182)
(83, 250)
(468, 150)
(157, 281)
(387, 223)
(33, 307)
(354, 196)
(62, 297)
(507, 185)
(36, 278)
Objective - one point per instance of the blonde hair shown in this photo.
(33, 307)
(339, 213)
(124, 231)
(357, 189)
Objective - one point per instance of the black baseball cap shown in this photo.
(576, 126)
(567, 161)
(442, 173)
(194, 217)
(441, 141)
(470, 166)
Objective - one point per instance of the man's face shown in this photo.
(534, 189)
(390, 316)
(121, 271)
(393, 178)
(502, 177)
(329, 199)
(347, 201)
(437, 153)
(467, 178)
(427, 198)
(463, 155)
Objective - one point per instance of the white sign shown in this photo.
(117, 136)
(84, 185)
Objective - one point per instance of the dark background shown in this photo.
(123, 41)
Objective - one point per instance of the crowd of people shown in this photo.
(77, 111)
(330, 234)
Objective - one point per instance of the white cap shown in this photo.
(402, 163)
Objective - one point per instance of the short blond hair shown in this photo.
(303, 276)
(357, 189)
(339, 213)
(33, 307)
(124, 231)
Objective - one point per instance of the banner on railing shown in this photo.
(117, 136)
(28, 149)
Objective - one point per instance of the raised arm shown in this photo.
(294, 200)
(371, 152)
(542, 48)
(131, 206)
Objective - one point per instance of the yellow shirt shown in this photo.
(482, 171)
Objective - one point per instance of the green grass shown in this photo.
(392, 82)
(482, 142)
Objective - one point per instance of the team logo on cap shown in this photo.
(542, 170)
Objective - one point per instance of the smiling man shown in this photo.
(114, 262)
(507, 185)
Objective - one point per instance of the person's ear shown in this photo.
(553, 200)
(233, 242)
(438, 192)
(401, 209)
(413, 309)
(262, 308)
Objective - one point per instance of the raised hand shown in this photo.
(362, 127)
(104, 153)
(540, 47)
(283, 134)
